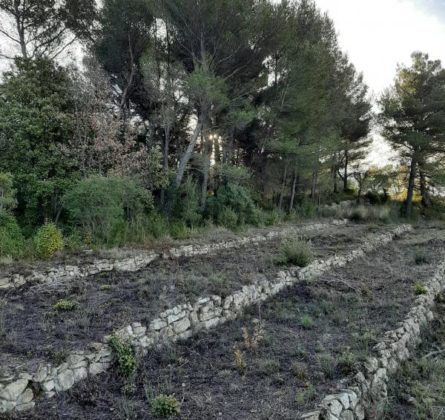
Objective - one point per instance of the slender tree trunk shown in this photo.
(292, 197)
(188, 154)
(426, 200)
(408, 205)
(345, 176)
(314, 184)
(207, 151)
(165, 165)
(283, 186)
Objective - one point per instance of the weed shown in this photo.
(219, 285)
(328, 365)
(254, 338)
(64, 305)
(420, 289)
(165, 406)
(240, 360)
(267, 367)
(58, 357)
(295, 252)
(306, 395)
(105, 287)
(124, 356)
(299, 370)
(346, 363)
(307, 322)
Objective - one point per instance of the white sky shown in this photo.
(380, 34)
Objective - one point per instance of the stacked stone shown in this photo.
(180, 322)
(369, 387)
(142, 259)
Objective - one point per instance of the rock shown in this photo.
(65, 380)
(26, 397)
(182, 326)
(332, 405)
(13, 391)
(25, 407)
(347, 415)
(313, 415)
(359, 412)
(80, 374)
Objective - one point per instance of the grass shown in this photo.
(64, 305)
(420, 289)
(295, 252)
(307, 322)
(421, 258)
(124, 356)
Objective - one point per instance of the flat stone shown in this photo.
(26, 397)
(313, 415)
(182, 325)
(13, 391)
(347, 415)
(65, 380)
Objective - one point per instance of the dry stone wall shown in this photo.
(362, 398)
(142, 259)
(19, 390)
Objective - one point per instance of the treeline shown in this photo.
(183, 112)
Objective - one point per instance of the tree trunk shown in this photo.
(426, 200)
(314, 184)
(292, 197)
(283, 186)
(345, 176)
(207, 151)
(408, 205)
(165, 166)
(188, 154)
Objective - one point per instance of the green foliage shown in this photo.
(186, 205)
(165, 406)
(230, 201)
(370, 214)
(346, 363)
(328, 365)
(179, 230)
(420, 289)
(295, 252)
(7, 193)
(124, 356)
(104, 207)
(64, 305)
(37, 116)
(11, 238)
(307, 322)
(48, 240)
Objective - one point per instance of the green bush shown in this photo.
(48, 240)
(420, 289)
(370, 213)
(179, 230)
(421, 258)
(64, 305)
(227, 218)
(106, 208)
(124, 356)
(11, 238)
(186, 204)
(165, 406)
(230, 200)
(295, 252)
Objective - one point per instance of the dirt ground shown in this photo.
(109, 301)
(311, 336)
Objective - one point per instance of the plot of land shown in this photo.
(289, 351)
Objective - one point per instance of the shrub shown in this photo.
(48, 240)
(186, 204)
(11, 238)
(65, 305)
(295, 252)
(366, 214)
(227, 218)
(307, 322)
(420, 289)
(124, 356)
(165, 406)
(179, 230)
(104, 206)
(346, 363)
(328, 365)
(299, 370)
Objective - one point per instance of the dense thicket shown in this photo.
(187, 111)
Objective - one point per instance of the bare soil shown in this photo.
(314, 335)
(33, 327)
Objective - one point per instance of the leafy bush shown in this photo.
(367, 214)
(124, 356)
(65, 305)
(233, 200)
(7, 192)
(179, 230)
(11, 238)
(420, 289)
(103, 207)
(295, 252)
(227, 218)
(48, 240)
(165, 406)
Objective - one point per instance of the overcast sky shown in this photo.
(379, 34)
